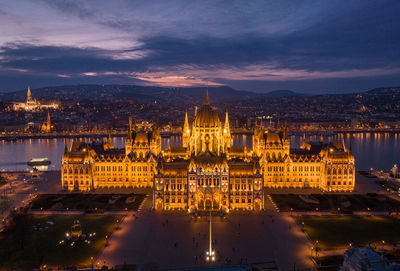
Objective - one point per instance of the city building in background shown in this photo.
(32, 104)
(46, 126)
(207, 172)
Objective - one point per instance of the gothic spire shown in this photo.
(130, 127)
(285, 136)
(186, 125)
(29, 94)
(226, 126)
(207, 101)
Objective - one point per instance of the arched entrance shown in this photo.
(257, 205)
(200, 204)
(159, 205)
(208, 205)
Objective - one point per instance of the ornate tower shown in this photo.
(29, 94)
(155, 142)
(186, 132)
(129, 141)
(46, 126)
(227, 132)
(206, 133)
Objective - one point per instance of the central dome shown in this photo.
(207, 117)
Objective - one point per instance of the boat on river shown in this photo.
(39, 162)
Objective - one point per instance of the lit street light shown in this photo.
(210, 254)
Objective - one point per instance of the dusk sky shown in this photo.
(305, 46)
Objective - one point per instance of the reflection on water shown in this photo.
(372, 150)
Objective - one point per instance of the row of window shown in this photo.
(340, 183)
(76, 171)
(339, 171)
(121, 180)
(76, 182)
(293, 180)
(119, 168)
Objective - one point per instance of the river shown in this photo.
(371, 150)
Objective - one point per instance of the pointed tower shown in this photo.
(207, 101)
(285, 136)
(128, 142)
(108, 144)
(227, 132)
(155, 141)
(29, 94)
(46, 126)
(186, 132)
(130, 127)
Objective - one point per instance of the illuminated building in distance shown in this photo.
(32, 104)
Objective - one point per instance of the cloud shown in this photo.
(181, 43)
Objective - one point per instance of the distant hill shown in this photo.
(164, 95)
(139, 93)
(283, 93)
(386, 90)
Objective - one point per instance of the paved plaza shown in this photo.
(176, 240)
(22, 188)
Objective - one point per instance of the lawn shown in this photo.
(34, 241)
(336, 232)
(331, 202)
(87, 202)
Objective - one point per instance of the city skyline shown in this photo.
(311, 47)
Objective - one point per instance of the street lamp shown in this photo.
(210, 254)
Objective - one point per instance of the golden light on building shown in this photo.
(206, 172)
(32, 104)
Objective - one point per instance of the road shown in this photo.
(22, 188)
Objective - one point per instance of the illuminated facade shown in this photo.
(87, 166)
(46, 126)
(32, 104)
(207, 172)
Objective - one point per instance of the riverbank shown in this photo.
(102, 134)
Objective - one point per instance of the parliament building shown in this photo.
(207, 172)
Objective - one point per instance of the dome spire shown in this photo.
(207, 101)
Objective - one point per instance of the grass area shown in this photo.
(88, 202)
(33, 242)
(331, 202)
(338, 232)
